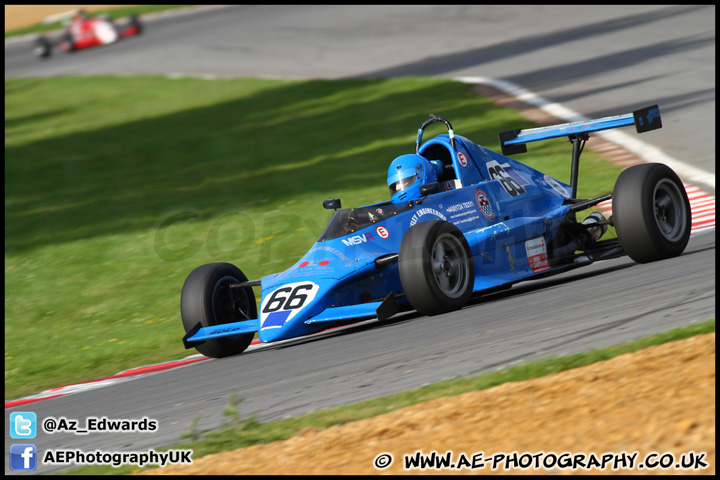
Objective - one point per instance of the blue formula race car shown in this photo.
(461, 220)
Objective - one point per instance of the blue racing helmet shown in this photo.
(406, 174)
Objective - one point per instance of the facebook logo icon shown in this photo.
(23, 456)
(23, 425)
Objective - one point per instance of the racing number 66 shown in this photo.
(511, 186)
(295, 300)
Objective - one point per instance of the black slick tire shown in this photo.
(208, 299)
(651, 212)
(436, 267)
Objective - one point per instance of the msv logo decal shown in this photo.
(283, 303)
(358, 239)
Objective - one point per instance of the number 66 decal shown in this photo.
(497, 172)
(283, 303)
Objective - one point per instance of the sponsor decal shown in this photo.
(557, 186)
(382, 232)
(459, 206)
(346, 261)
(320, 259)
(463, 159)
(426, 211)
(466, 220)
(306, 263)
(483, 203)
(537, 254)
(358, 239)
(283, 303)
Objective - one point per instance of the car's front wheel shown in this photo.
(43, 47)
(208, 298)
(436, 267)
(135, 22)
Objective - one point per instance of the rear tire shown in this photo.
(436, 267)
(207, 299)
(651, 212)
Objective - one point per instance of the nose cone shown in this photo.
(285, 308)
(304, 290)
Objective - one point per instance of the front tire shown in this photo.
(436, 267)
(135, 22)
(43, 47)
(208, 299)
(651, 212)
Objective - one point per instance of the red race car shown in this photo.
(84, 31)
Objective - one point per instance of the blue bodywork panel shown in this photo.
(350, 312)
(508, 212)
(499, 204)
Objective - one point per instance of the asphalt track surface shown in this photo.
(595, 60)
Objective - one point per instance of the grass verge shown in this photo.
(117, 187)
(243, 432)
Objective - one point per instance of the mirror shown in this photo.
(331, 204)
(429, 188)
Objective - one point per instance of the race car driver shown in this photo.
(407, 173)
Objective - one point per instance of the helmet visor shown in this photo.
(406, 177)
(402, 184)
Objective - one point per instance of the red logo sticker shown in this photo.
(463, 159)
(382, 232)
(483, 203)
(321, 263)
(537, 255)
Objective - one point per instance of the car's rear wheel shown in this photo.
(208, 299)
(651, 212)
(436, 268)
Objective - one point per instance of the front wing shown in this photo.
(382, 310)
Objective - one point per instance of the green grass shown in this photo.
(117, 187)
(113, 13)
(245, 431)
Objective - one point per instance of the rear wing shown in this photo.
(645, 119)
